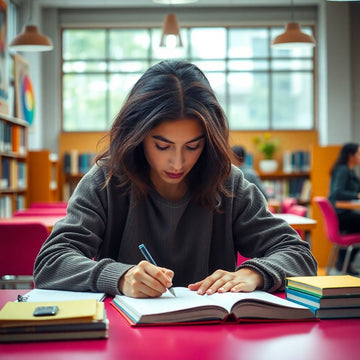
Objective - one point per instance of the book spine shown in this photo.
(302, 298)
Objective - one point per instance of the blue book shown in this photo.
(316, 302)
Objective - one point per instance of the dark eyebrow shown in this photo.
(161, 138)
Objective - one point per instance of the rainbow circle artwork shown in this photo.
(27, 99)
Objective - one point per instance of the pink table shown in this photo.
(322, 340)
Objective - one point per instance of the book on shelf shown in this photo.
(76, 319)
(296, 161)
(325, 285)
(298, 187)
(6, 209)
(76, 163)
(188, 308)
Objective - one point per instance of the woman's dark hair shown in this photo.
(346, 151)
(170, 90)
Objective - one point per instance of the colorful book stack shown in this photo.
(328, 297)
(56, 320)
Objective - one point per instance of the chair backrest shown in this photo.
(41, 212)
(331, 221)
(287, 203)
(48, 205)
(299, 210)
(19, 246)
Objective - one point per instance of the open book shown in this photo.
(188, 306)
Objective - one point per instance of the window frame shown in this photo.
(150, 59)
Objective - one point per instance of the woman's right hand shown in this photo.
(145, 280)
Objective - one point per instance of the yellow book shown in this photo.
(77, 311)
(322, 286)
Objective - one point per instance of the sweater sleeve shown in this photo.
(274, 248)
(66, 260)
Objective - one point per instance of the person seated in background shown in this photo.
(249, 173)
(345, 185)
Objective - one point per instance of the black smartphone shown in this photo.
(45, 310)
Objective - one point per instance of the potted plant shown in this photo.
(267, 145)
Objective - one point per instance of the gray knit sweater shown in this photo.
(97, 241)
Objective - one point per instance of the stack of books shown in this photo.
(57, 320)
(328, 297)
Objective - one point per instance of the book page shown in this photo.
(227, 300)
(185, 299)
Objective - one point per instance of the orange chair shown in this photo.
(339, 241)
(19, 246)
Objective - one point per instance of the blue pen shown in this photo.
(150, 259)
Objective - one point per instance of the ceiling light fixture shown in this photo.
(293, 37)
(171, 32)
(30, 39)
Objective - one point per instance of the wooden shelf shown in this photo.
(283, 175)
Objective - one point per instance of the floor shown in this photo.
(356, 265)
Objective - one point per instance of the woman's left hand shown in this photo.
(243, 280)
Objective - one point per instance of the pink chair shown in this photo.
(339, 241)
(299, 210)
(41, 212)
(19, 246)
(287, 203)
(49, 205)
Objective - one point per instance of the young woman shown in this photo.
(166, 180)
(345, 185)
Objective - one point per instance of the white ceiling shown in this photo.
(150, 3)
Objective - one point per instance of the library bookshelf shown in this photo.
(13, 165)
(280, 185)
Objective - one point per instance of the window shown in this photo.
(260, 88)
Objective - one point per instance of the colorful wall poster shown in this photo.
(24, 94)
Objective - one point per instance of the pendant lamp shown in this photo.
(171, 30)
(31, 40)
(293, 37)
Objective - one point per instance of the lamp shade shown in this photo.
(292, 38)
(31, 40)
(171, 27)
